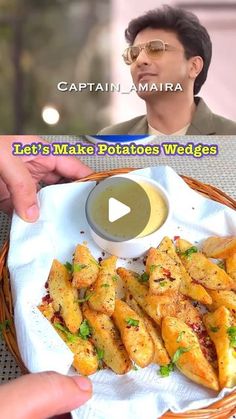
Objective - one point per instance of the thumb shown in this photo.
(21, 187)
(43, 395)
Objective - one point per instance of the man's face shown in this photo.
(170, 67)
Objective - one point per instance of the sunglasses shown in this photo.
(153, 49)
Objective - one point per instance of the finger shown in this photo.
(21, 187)
(6, 206)
(5, 202)
(71, 167)
(24, 140)
(43, 395)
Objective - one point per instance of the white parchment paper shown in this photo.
(62, 225)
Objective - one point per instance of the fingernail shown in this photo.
(32, 213)
(83, 383)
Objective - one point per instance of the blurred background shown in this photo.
(44, 42)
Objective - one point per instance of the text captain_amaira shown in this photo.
(65, 86)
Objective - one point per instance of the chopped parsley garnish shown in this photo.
(86, 298)
(144, 277)
(232, 336)
(189, 251)
(68, 266)
(162, 283)
(77, 267)
(221, 264)
(105, 285)
(135, 368)
(132, 322)
(100, 353)
(181, 350)
(69, 336)
(85, 330)
(214, 329)
(180, 337)
(115, 277)
(165, 370)
(153, 267)
(4, 326)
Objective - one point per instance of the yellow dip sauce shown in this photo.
(159, 210)
(130, 225)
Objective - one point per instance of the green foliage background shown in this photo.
(43, 42)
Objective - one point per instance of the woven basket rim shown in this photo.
(209, 191)
(221, 409)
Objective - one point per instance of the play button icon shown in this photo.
(117, 210)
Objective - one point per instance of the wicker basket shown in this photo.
(220, 410)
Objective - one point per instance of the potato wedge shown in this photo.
(106, 338)
(222, 298)
(176, 305)
(167, 246)
(195, 291)
(186, 312)
(161, 356)
(219, 324)
(47, 310)
(192, 317)
(164, 272)
(159, 306)
(219, 247)
(85, 356)
(85, 267)
(231, 267)
(134, 334)
(184, 349)
(103, 291)
(201, 269)
(65, 296)
(187, 286)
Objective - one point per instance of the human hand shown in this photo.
(43, 395)
(20, 175)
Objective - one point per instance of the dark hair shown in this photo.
(192, 35)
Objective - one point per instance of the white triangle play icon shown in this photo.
(116, 210)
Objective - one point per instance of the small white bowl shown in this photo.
(137, 246)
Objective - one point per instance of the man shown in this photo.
(169, 47)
